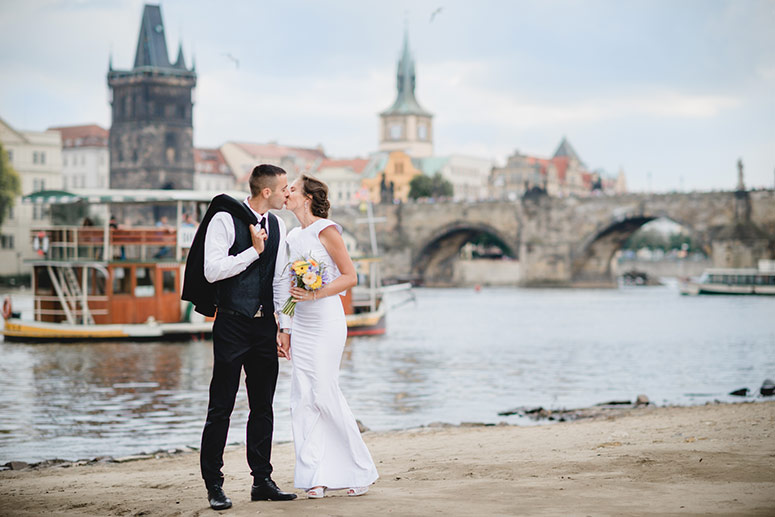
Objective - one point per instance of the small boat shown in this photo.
(108, 282)
(738, 281)
(364, 304)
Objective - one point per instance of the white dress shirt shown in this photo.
(219, 264)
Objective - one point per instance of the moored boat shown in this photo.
(110, 282)
(364, 304)
(734, 281)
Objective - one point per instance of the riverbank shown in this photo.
(713, 459)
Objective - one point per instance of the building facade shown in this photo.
(406, 126)
(212, 172)
(562, 175)
(85, 156)
(387, 176)
(37, 157)
(343, 178)
(468, 175)
(152, 136)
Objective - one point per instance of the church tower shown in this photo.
(152, 134)
(405, 126)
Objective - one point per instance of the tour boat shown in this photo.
(110, 282)
(118, 282)
(758, 281)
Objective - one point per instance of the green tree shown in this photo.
(9, 184)
(429, 186)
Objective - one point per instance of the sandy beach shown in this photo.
(714, 459)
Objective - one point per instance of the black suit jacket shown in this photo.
(196, 288)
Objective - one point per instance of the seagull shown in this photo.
(231, 58)
(434, 13)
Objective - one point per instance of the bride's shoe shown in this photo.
(319, 492)
(356, 491)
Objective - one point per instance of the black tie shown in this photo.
(262, 224)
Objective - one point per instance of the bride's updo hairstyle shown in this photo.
(317, 192)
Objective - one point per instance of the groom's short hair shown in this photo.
(262, 177)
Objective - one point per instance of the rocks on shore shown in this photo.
(603, 409)
(768, 388)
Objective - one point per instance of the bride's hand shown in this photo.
(301, 295)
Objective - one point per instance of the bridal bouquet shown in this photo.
(307, 273)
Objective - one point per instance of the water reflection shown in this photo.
(456, 356)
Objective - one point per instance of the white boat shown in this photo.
(737, 281)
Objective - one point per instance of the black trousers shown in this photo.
(250, 344)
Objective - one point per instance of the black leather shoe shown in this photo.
(266, 490)
(218, 499)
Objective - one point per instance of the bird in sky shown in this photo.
(231, 58)
(434, 13)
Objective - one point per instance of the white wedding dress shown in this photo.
(329, 449)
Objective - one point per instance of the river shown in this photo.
(454, 355)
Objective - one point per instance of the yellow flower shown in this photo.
(317, 284)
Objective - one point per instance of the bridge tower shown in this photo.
(406, 126)
(152, 136)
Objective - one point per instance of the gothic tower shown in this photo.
(405, 126)
(152, 134)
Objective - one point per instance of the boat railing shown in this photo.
(73, 243)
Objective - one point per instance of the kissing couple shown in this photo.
(237, 269)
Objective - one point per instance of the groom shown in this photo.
(235, 264)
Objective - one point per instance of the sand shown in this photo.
(715, 459)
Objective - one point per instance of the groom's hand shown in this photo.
(284, 345)
(258, 236)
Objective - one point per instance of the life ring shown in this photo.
(7, 310)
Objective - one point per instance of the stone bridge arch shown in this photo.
(592, 256)
(435, 260)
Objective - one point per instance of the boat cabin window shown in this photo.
(144, 287)
(122, 280)
(43, 281)
(168, 280)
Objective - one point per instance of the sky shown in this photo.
(672, 93)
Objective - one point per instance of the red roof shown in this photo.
(561, 162)
(90, 135)
(210, 161)
(281, 151)
(356, 164)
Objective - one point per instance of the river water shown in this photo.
(454, 355)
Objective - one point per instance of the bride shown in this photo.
(330, 453)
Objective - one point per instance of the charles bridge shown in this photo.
(557, 241)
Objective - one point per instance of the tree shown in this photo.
(427, 186)
(9, 184)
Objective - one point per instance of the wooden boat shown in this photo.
(109, 282)
(737, 281)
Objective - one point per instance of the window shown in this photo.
(10, 156)
(422, 132)
(64, 160)
(10, 212)
(42, 158)
(6, 242)
(38, 184)
(122, 280)
(144, 287)
(168, 280)
(35, 157)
